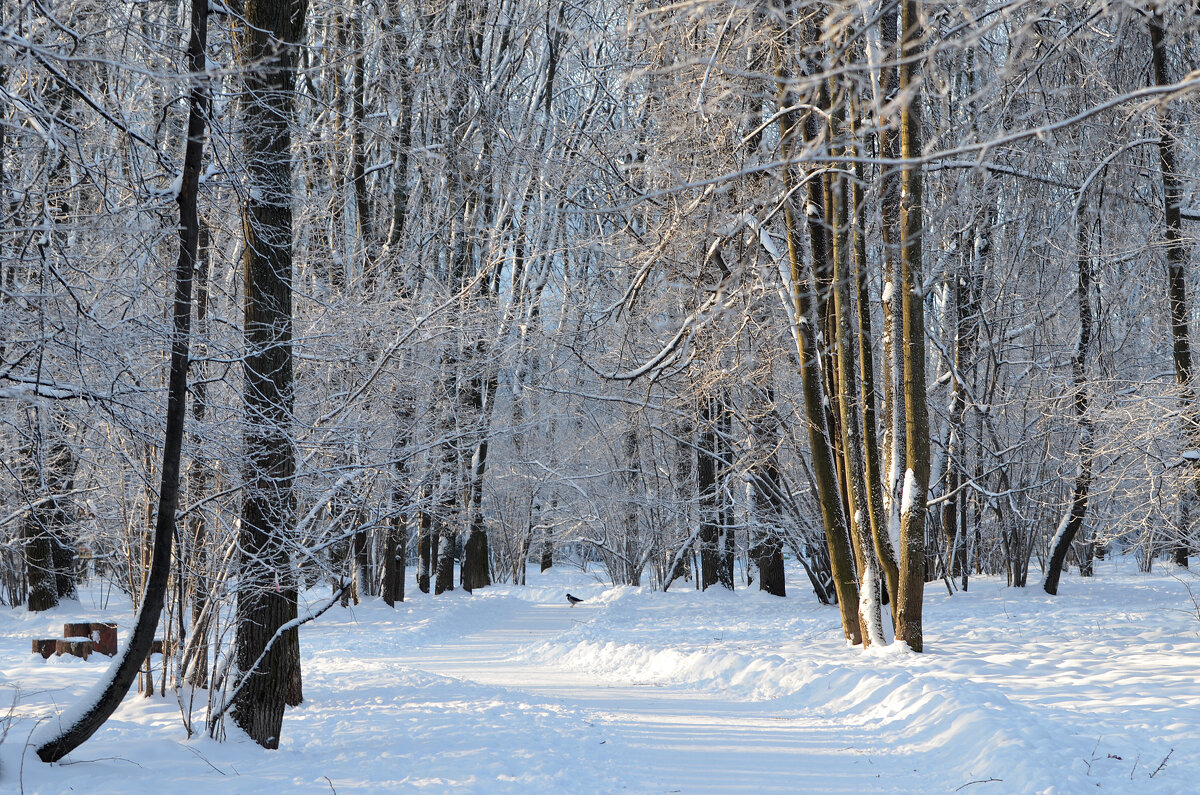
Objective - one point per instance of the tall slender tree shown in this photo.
(911, 588)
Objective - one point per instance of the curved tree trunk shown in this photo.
(92, 716)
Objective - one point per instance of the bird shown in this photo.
(573, 600)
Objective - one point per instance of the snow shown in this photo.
(510, 690)
(909, 495)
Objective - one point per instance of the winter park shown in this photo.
(529, 396)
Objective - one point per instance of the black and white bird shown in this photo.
(573, 600)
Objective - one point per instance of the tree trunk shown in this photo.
(267, 38)
(196, 561)
(395, 555)
(396, 545)
(63, 740)
(35, 528)
(444, 565)
(911, 589)
(804, 319)
(362, 201)
(708, 487)
(476, 559)
(846, 400)
(895, 443)
(425, 545)
(1073, 521)
(1176, 252)
(885, 552)
(973, 247)
(766, 545)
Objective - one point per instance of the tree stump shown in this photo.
(76, 647)
(103, 634)
(45, 647)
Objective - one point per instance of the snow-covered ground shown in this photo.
(510, 690)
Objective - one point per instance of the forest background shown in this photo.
(297, 293)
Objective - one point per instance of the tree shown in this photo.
(1072, 521)
(267, 39)
(91, 716)
(806, 321)
(1176, 254)
(911, 588)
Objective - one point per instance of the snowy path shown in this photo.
(664, 738)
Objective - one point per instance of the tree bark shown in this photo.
(266, 40)
(911, 588)
(35, 531)
(766, 545)
(716, 562)
(846, 400)
(396, 545)
(426, 542)
(895, 442)
(362, 200)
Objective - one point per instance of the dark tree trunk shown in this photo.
(360, 555)
(362, 201)
(726, 546)
(766, 544)
(39, 560)
(395, 553)
(403, 146)
(1176, 253)
(548, 539)
(47, 479)
(426, 542)
(1061, 543)
(443, 552)
(196, 562)
(706, 486)
(267, 36)
(475, 570)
